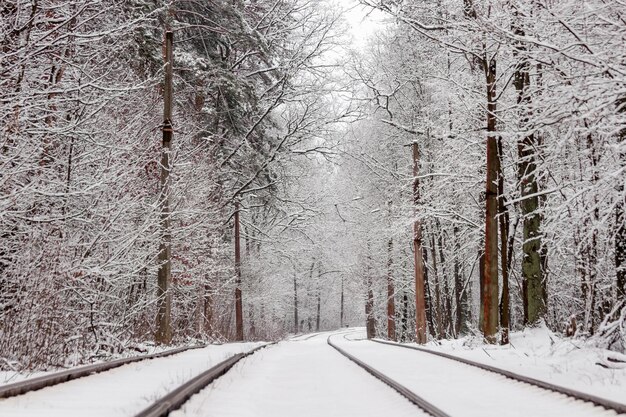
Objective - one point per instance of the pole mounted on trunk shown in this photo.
(164, 298)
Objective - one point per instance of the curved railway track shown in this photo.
(33, 384)
(578, 395)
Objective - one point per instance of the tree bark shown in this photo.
(295, 303)
(504, 258)
(620, 219)
(391, 292)
(319, 299)
(532, 274)
(420, 297)
(341, 311)
(438, 302)
(489, 282)
(369, 309)
(238, 295)
(164, 297)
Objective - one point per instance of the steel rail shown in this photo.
(582, 396)
(401, 389)
(176, 398)
(33, 384)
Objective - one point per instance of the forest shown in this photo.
(226, 170)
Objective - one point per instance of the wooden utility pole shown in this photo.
(238, 301)
(420, 288)
(164, 298)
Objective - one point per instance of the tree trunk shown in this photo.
(208, 310)
(369, 309)
(428, 297)
(489, 282)
(504, 258)
(420, 297)
(404, 334)
(459, 318)
(620, 219)
(238, 295)
(295, 303)
(391, 292)
(341, 312)
(164, 297)
(438, 306)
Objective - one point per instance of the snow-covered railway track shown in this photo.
(303, 377)
(449, 387)
(177, 397)
(34, 384)
(578, 395)
(401, 389)
(128, 389)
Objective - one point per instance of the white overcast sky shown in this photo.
(362, 20)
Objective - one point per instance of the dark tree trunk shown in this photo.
(295, 302)
(238, 295)
(489, 281)
(164, 297)
(420, 279)
(391, 294)
(504, 253)
(533, 286)
(369, 310)
(620, 221)
(437, 285)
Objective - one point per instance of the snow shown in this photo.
(539, 353)
(10, 377)
(464, 390)
(122, 391)
(302, 377)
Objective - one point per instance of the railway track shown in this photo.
(578, 395)
(44, 381)
(177, 397)
(405, 381)
(404, 391)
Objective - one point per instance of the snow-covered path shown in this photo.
(123, 391)
(302, 377)
(462, 390)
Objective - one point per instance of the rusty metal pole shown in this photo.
(164, 298)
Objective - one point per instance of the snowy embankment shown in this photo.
(541, 354)
(121, 391)
(73, 362)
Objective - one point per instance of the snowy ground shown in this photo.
(463, 390)
(122, 391)
(301, 377)
(304, 376)
(540, 354)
